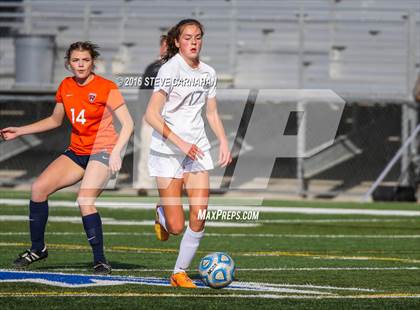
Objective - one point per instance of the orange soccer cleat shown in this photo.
(181, 279)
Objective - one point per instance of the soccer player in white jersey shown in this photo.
(179, 154)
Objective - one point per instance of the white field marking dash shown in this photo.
(299, 210)
(234, 235)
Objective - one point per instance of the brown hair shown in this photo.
(92, 48)
(163, 38)
(174, 34)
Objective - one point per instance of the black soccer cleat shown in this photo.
(30, 256)
(102, 268)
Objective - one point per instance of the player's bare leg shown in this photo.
(96, 176)
(196, 184)
(61, 173)
(93, 183)
(170, 190)
(172, 220)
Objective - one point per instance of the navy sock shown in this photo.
(93, 227)
(38, 216)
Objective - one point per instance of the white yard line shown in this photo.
(235, 235)
(317, 236)
(316, 256)
(46, 294)
(112, 221)
(299, 210)
(310, 286)
(158, 295)
(255, 269)
(52, 268)
(355, 220)
(331, 269)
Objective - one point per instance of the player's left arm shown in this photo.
(216, 125)
(127, 127)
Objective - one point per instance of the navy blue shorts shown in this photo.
(83, 160)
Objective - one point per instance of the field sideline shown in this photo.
(297, 254)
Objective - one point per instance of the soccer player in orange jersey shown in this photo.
(89, 101)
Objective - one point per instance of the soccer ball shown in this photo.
(217, 269)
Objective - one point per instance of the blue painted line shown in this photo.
(76, 280)
(80, 280)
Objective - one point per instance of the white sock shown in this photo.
(161, 216)
(189, 245)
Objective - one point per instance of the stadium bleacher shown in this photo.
(365, 50)
(355, 46)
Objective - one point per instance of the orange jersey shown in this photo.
(89, 110)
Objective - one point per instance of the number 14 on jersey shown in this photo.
(80, 117)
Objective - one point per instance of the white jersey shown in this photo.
(187, 92)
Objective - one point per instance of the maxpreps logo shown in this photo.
(228, 215)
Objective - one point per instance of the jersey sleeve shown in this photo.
(213, 83)
(115, 98)
(164, 78)
(58, 96)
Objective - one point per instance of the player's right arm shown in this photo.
(155, 119)
(53, 121)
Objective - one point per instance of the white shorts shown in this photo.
(175, 165)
